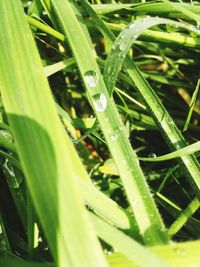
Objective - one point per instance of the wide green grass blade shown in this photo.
(125, 245)
(49, 160)
(176, 255)
(143, 206)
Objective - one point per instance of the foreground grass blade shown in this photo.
(160, 115)
(49, 160)
(143, 206)
(127, 246)
(176, 255)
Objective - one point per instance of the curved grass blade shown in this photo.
(49, 160)
(143, 206)
(124, 42)
(127, 246)
(179, 153)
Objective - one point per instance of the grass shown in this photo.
(99, 133)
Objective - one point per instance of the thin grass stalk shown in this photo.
(184, 217)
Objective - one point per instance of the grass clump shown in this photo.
(99, 133)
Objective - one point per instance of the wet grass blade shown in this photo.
(143, 206)
(191, 149)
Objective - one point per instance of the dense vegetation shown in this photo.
(99, 133)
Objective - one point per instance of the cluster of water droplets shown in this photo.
(91, 79)
(113, 137)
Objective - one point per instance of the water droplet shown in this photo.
(152, 155)
(169, 120)
(122, 46)
(177, 146)
(132, 26)
(181, 252)
(8, 168)
(135, 203)
(113, 137)
(91, 78)
(100, 102)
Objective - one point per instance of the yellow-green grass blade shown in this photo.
(125, 245)
(48, 158)
(178, 153)
(176, 255)
(143, 206)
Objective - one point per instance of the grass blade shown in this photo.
(179, 153)
(143, 206)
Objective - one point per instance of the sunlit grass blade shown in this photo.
(143, 206)
(48, 158)
(127, 246)
(163, 9)
(191, 149)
